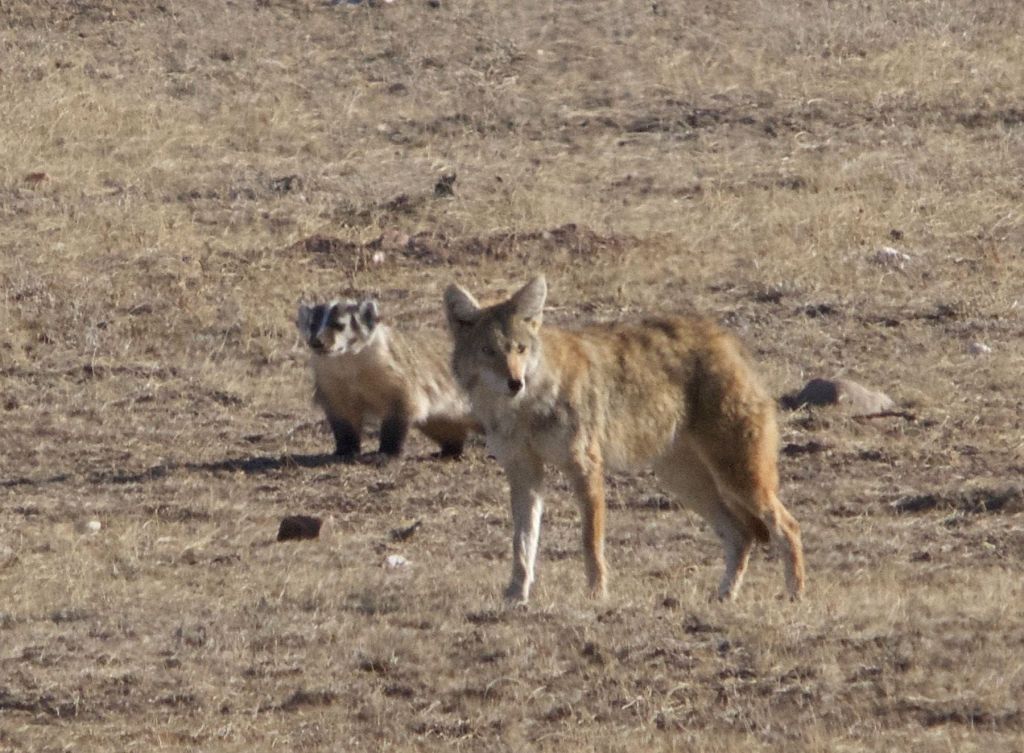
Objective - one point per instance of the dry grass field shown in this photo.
(176, 176)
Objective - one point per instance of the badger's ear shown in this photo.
(368, 313)
(304, 318)
(528, 302)
(460, 307)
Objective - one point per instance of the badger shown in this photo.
(365, 370)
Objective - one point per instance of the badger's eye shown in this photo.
(487, 350)
(521, 348)
(338, 326)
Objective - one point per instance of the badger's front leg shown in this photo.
(393, 431)
(346, 437)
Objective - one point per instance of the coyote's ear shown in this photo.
(528, 302)
(368, 313)
(460, 307)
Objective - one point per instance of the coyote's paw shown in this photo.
(516, 596)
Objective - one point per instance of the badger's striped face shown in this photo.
(337, 327)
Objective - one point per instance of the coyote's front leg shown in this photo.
(588, 479)
(525, 477)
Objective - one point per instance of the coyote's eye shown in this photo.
(487, 350)
(521, 348)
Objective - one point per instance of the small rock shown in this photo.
(813, 447)
(69, 614)
(378, 257)
(406, 531)
(86, 527)
(395, 561)
(859, 400)
(445, 185)
(393, 240)
(286, 183)
(191, 635)
(7, 556)
(298, 527)
(593, 652)
(890, 257)
(979, 349)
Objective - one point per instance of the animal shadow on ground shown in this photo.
(247, 464)
(252, 464)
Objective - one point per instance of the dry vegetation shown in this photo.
(174, 176)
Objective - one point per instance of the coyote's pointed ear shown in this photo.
(528, 302)
(368, 313)
(460, 307)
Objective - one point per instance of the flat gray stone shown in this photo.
(857, 399)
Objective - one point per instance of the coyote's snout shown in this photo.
(676, 393)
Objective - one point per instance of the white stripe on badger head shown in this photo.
(351, 318)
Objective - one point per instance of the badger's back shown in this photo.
(423, 360)
(394, 369)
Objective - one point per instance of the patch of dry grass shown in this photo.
(175, 177)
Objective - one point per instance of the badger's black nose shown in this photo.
(315, 343)
(514, 385)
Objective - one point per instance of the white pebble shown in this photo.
(890, 257)
(88, 526)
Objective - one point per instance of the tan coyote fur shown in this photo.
(676, 393)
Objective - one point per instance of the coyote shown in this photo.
(677, 393)
(364, 369)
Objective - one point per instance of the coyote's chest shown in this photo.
(539, 425)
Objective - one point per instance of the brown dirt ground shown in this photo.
(176, 176)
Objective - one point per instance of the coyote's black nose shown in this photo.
(514, 385)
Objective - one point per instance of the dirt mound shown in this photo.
(1009, 500)
(572, 240)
